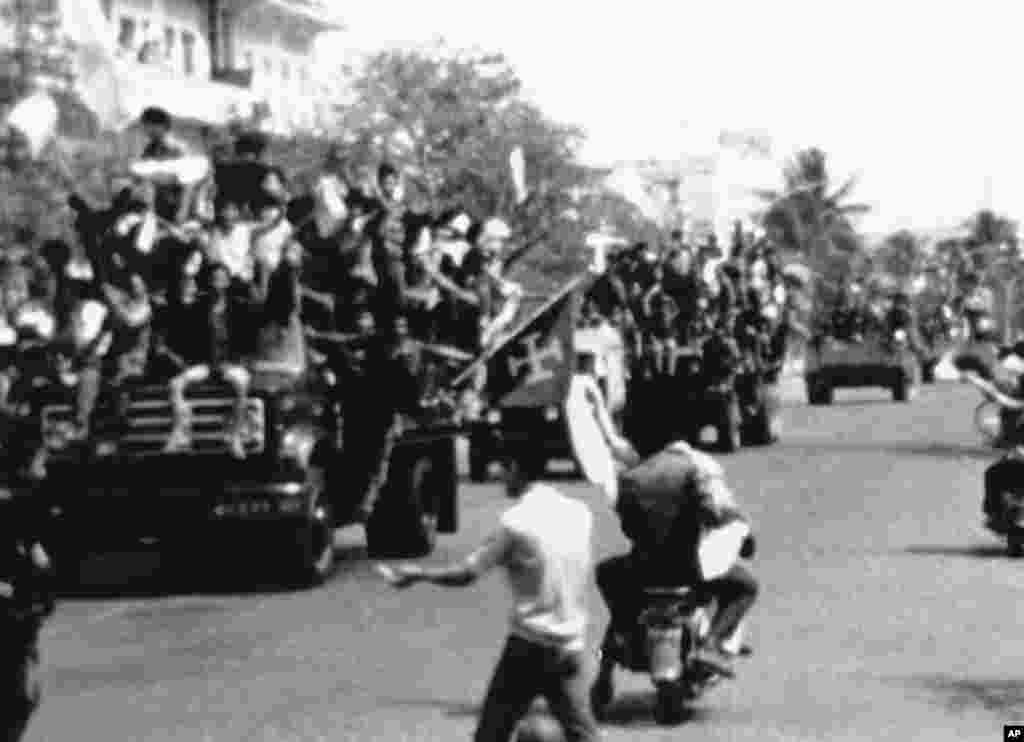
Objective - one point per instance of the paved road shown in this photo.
(888, 614)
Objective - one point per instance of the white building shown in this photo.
(705, 190)
(210, 61)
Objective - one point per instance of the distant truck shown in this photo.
(283, 501)
(872, 361)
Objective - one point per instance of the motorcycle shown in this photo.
(997, 414)
(663, 644)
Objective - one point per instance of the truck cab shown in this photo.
(283, 500)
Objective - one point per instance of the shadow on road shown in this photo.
(1001, 696)
(120, 576)
(978, 551)
(452, 709)
(633, 709)
(895, 448)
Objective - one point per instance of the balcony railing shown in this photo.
(239, 78)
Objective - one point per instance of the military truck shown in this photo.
(282, 501)
(870, 361)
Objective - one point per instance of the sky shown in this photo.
(916, 99)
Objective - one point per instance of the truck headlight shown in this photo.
(551, 414)
(296, 445)
(494, 417)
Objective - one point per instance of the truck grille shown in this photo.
(149, 420)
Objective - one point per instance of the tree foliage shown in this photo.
(901, 255)
(812, 217)
(451, 121)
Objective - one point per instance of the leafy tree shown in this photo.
(901, 255)
(989, 228)
(451, 121)
(812, 217)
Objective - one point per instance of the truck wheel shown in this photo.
(479, 459)
(1015, 543)
(901, 392)
(728, 428)
(758, 429)
(315, 561)
(928, 371)
(818, 392)
(404, 523)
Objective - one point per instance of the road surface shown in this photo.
(888, 613)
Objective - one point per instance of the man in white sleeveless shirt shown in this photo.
(544, 543)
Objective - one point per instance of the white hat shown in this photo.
(461, 224)
(495, 229)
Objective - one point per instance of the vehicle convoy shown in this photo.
(875, 360)
(284, 500)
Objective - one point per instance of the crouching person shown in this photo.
(219, 324)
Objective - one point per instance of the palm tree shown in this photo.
(812, 217)
(989, 228)
(809, 212)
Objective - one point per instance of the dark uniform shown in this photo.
(26, 599)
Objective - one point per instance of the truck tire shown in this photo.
(903, 390)
(928, 371)
(819, 393)
(479, 458)
(404, 523)
(757, 429)
(315, 557)
(728, 428)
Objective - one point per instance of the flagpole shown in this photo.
(487, 355)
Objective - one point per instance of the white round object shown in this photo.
(592, 449)
(91, 317)
(37, 319)
(719, 549)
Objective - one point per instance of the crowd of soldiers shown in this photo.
(674, 302)
(178, 283)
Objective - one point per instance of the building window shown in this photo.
(250, 63)
(304, 77)
(169, 37)
(188, 45)
(286, 70)
(126, 35)
(268, 68)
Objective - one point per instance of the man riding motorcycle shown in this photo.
(665, 553)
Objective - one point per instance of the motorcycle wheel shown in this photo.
(603, 692)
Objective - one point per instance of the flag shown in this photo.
(94, 51)
(534, 366)
(517, 163)
(35, 117)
